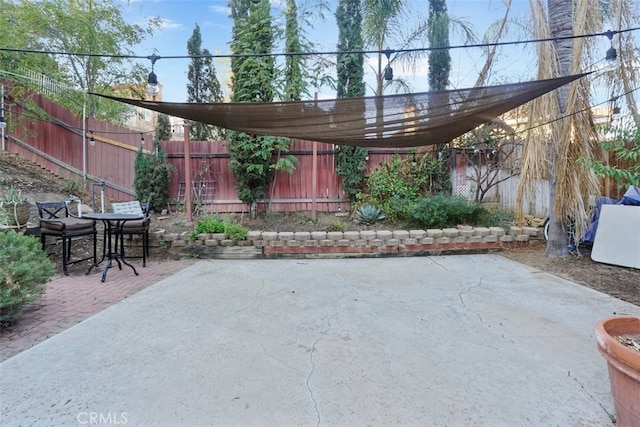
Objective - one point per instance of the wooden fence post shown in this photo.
(187, 171)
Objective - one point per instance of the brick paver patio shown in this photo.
(68, 300)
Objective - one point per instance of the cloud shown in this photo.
(224, 10)
(168, 24)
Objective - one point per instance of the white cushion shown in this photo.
(127, 208)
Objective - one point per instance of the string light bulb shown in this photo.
(152, 88)
(611, 54)
(388, 71)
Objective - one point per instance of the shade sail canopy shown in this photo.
(403, 120)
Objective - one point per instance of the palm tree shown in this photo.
(553, 150)
(626, 74)
(560, 25)
(380, 22)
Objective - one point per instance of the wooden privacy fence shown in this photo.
(54, 140)
(213, 183)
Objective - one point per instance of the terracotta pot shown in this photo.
(624, 366)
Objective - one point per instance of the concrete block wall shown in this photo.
(266, 244)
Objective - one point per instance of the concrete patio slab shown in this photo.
(475, 340)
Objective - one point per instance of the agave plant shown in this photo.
(369, 214)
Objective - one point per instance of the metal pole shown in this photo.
(102, 196)
(314, 177)
(314, 181)
(84, 137)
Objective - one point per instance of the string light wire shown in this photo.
(609, 34)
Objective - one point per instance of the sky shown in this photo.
(179, 18)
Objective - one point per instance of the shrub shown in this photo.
(235, 231)
(442, 211)
(209, 224)
(397, 185)
(4, 218)
(24, 269)
(495, 218)
(213, 224)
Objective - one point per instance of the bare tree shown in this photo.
(491, 152)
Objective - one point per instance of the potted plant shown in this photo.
(25, 270)
(619, 343)
(16, 207)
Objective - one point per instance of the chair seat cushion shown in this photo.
(138, 225)
(68, 225)
(128, 208)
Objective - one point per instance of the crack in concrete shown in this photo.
(464, 305)
(313, 368)
(266, 351)
(245, 308)
(611, 416)
(438, 264)
(469, 290)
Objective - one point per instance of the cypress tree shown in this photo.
(438, 34)
(350, 160)
(203, 85)
(152, 176)
(294, 81)
(163, 128)
(252, 156)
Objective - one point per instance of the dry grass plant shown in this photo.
(561, 143)
(625, 76)
(575, 181)
(534, 165)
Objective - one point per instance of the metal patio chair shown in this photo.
(135, 227)
(56, 221)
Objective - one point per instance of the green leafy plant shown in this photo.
(153, 172)
(24, 272)
(193, 236)
(350, 167)
(253, 157)
(625, 145)
(73, 187)
(13, 195)
(209, 224)
(162, 243)
(235, 231)
(14, 208)
(369, 214)
(4, 218)
(337, 226)
(397, 185)
(213, 224)
(442, 211)
(495, 218)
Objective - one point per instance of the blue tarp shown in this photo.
(631, 197)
